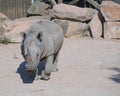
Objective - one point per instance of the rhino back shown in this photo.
(53, 37)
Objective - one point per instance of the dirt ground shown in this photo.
(87, 67)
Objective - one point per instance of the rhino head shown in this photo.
(31, 49)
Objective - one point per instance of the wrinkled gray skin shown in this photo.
(42, 42)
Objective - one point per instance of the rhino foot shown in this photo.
(55, 70)
(37, 78)
(45, 76)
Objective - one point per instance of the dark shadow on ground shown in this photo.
(117, 1)
(28, 77)
(115, 78)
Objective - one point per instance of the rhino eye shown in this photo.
(39, 36)
(37, 55)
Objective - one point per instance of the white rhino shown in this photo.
(42, 42)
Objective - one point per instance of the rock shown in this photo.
(3, 17)
(96, 26)
(14, 34)
(76, 28)
(71, 12)
(38, 8)
(110, 10)
(111, 30)
(14, 27)
(117, 1)
(15, 22)
(2, 20)
(73, 28)
(63, 24)
(11, 24)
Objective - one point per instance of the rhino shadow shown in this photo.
(28, 77)
(115, 77)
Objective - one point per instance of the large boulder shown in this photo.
(3, 18)
(71, 12)
(38, 8)
(13, 32)
(71, 28)
(63, 23)
(111, 30)
(96, 26)
(110, 10)
(11, 24)
(14, 27)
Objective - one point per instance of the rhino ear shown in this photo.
(23, 34)
(39, 35)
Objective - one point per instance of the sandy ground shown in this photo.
(87, 67)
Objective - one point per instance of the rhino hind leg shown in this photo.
(48, 68)
(45, 76)
(54, 65)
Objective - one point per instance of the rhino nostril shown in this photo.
(30, 59)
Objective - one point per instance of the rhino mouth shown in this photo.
(30, 68)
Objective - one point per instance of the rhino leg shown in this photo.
(54, 65)
(45, 76)
(48, 68)
(36, 75)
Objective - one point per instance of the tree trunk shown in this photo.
(95, 4)
(73, 2)
(60, 1)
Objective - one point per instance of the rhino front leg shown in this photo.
(48, 68)
(36, 75)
